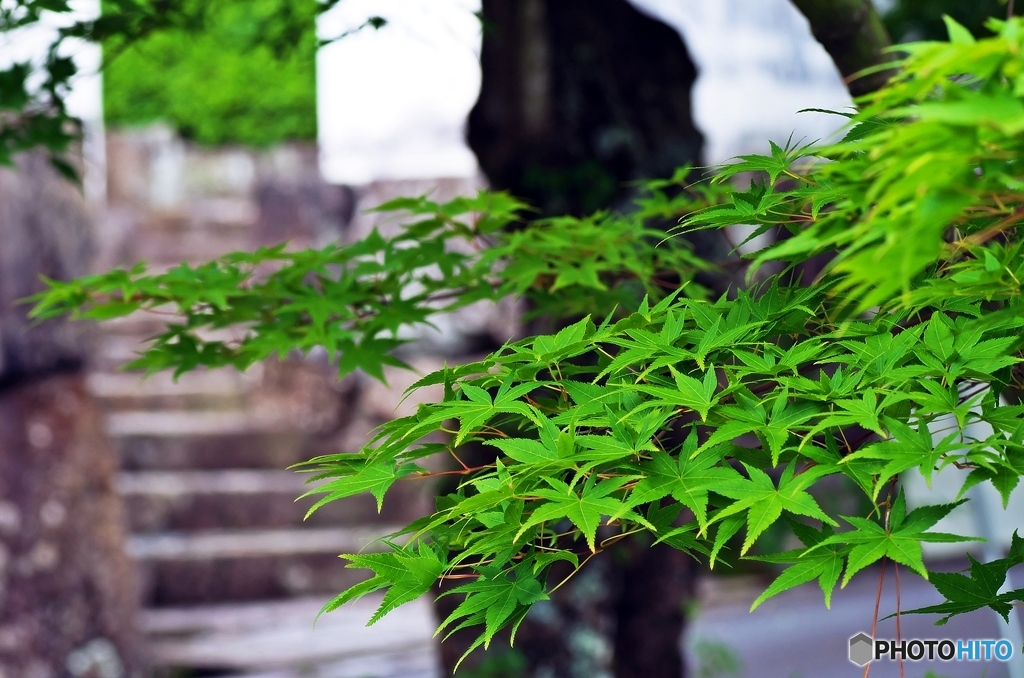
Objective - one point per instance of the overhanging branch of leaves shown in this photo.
(354, 299)
(631, 421)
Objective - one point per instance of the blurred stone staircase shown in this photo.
(232, 577)
(231, 574)
(210, 506)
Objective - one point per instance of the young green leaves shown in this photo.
(981, 589)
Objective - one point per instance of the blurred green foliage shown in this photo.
(222, 83)
(716, 659)
(503, 663)
(910, 20)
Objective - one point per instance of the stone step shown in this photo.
(113, 352)
(166, 246)
(262, 416)
(213, 214)
(160, 501)
(279, 639)
(202, 214)
(191, 568)
(177, 423)
(190, 448)
(230, 544)
(208, 389)
(175, 484)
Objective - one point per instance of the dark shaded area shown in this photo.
(911, 20)
(623, 614)
(305, 210)
(578, 98)
(649, 609)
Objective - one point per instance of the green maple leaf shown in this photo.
(749, 415)
(478, 408)
(685, 479)
(764, 503)
(370, 355)
(350, 479)
(493, 599)
(698, 396)
(901, 542)
(727, 528)
(965, 594)
(824, 564)
(406, 575)
(526, 451)
(585, 509)
(909, 449)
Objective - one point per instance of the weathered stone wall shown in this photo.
(68, 600)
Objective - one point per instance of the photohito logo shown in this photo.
(861, 649)
(864, 649)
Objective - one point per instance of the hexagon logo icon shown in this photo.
(861, 647)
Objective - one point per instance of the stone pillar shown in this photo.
(67, 590)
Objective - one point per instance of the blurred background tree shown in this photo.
(221, 84)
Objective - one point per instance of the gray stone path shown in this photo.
(795, 636)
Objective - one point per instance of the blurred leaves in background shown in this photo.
(223, 81)
(910, 20)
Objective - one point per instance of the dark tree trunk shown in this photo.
(578, 98)
(67, 592)
(649, 612)
(852, 33)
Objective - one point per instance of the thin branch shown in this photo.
(463, 464)
(992, 231)
(878, 602)
(899, 635)
(571, 574)
(459, 472)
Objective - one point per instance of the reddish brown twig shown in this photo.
(899, 635)
(878, 602)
